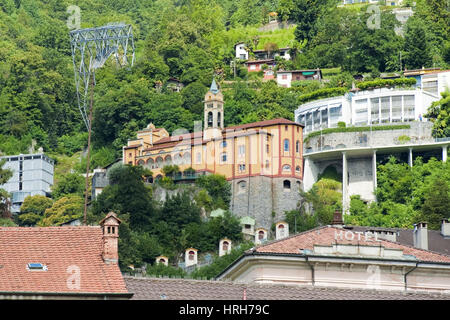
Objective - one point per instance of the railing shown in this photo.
(364, 144)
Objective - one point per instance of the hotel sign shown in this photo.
(356, 235)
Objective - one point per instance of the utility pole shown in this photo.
(88, 150)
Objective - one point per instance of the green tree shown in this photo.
(63, 210)
(33, 209)
(5, 175)
(439, 114)
(218, 188)
(126, 193)
(417, 48)
(70, 183)
(437, 202)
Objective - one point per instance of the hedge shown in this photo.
(356, 129)
(379, 83)
(322, 93)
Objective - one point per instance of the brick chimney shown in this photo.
(337, 219)
(421, 235)
(110, 226)
(445, 228)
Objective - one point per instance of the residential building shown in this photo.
(100, 179)
(365, 107)
(336, 256)
(263, 160)
(174, 85)
(285, 78)
(431, 80)
(241, 51)
(32, 175)
(69, 262)
(258, 65)
(264, 54)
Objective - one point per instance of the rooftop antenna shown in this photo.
(91, 48)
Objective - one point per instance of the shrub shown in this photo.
(321, 93)
(379, 83)
(356, 129)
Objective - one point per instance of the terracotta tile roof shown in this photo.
(57, 248)
(184, 289)
(326, 236)
(186, 138)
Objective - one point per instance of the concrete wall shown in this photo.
(419, 132)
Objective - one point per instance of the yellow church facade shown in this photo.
(259, 158)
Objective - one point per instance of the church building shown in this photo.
(262, 160)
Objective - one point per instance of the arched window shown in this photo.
(162, 260)
(297, 146)
(191, 255)
(150, 163)
(225, 246)
(210, 119)
(261, 235)
(286, 185)
(187, 158)
(242, 185)
(159, 162)
(141, 162)
(297, 169)
(218, 119)
(281, 229)
(286, 167)
(286, 145)
(168, 160)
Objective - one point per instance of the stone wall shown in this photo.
(262, 196)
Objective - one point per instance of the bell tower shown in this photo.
(213, 118)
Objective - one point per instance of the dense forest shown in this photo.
(193, 40)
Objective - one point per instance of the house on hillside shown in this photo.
(264, 54)
(285, 78)
(241, 51)
(72, 262)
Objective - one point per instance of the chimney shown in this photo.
(445, 228)
(421, 235)
(337, 219)
(110, 227)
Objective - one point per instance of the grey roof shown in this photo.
(100, 180)
(214, 88)
(187, 289)
(436, 241)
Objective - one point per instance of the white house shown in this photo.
(241, 51)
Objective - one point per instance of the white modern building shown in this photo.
(364, 108)
(32, 175)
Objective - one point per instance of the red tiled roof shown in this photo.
(264, 123)
(184, 289)
(187, 137)
(58, 248)
(326, 236)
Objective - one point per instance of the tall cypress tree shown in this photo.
(417, 47)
